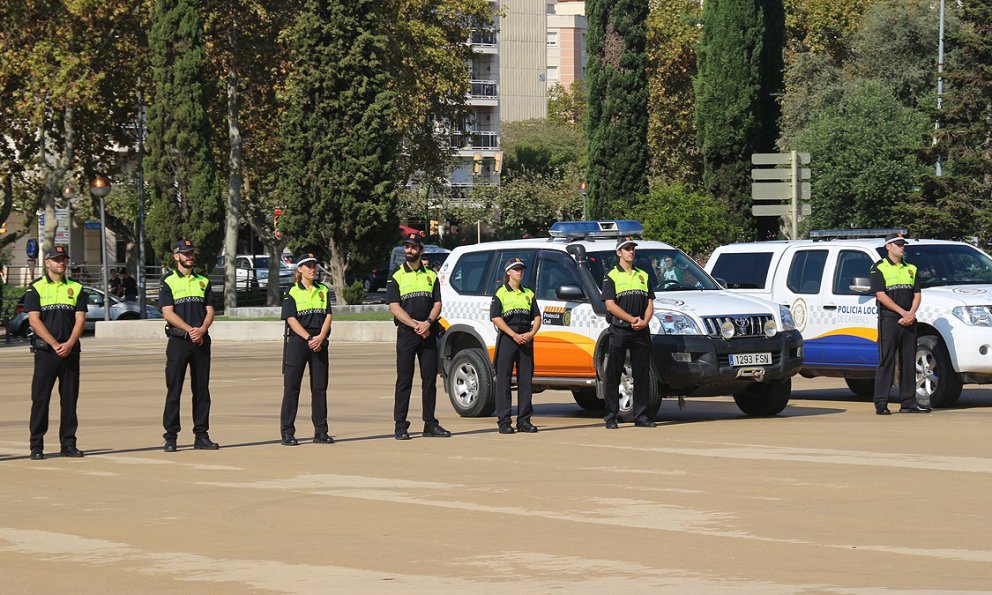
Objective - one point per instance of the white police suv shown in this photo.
(705, 339)
(824, 281)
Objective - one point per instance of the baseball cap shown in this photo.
(56, 252)
(895, 238)
(305, 258)
(514, 262)
(413, 239)
(183, 246)
(624, 240)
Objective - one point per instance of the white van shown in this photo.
(704, 340)
(824, 281)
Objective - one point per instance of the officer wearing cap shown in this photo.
(56, 307)
(629, 301)
(307, 312)
(187, 305)
(515, 313)
(414, 299)
(897, 289)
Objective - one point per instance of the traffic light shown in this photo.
(477, 164)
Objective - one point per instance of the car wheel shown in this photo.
(626, 390)
(587, 399)
(470, 384)
(862, 387)
(937, 384)
(764, 399)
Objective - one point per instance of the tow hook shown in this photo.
(757, 374)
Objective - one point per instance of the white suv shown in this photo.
(705, 340)
(825, 283)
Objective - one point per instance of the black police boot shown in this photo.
(323, 438)
(289, 440)
(436, 431)
(72, 451)
(527, 427)
(37, 455)
(170, 445)
(203, 442)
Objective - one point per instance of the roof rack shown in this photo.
(587, 230)
(850, 234)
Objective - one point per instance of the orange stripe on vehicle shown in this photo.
(865, 333)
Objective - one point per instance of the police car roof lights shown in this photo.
(587, 230)
(851, 234)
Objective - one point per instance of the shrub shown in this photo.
(354, 293)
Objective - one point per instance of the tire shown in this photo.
(862, 387)
(627, 391)
(764, 399)
(368, 286)
(470, 384)
(937, 384)
(587, 399)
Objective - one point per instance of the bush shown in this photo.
(354, 293)
(10, 296)
(693, 222)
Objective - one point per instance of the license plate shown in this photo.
(750, 359)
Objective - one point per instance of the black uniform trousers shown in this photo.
(48, 367)
(409, 346)
(179, 355)
(299, 356)
(639, 345)
(508, 353)
(895, 341)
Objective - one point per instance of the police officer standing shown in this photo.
(187, 305)
(515, 313)
(56, 307)
(629, 300)
(897, 289)
(307, 312)
(414, 299)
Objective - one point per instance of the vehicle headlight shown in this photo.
(788, 324)
(673, 323)
(973, 315)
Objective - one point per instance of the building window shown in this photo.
(552, 74)
(552, 38)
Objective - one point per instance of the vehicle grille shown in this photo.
(745, 325)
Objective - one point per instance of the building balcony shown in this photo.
(484, 41)
(483, 93)
(475, 140)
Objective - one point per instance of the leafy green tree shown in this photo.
(673, 32)
(340, 141)
(541, 146)
(185, 197)
(568, 106)
(865, 161)
(959, 203)
(618, 103)
(694, 222)
(740, 74)
(824, 27)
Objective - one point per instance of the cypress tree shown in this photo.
(339, 143)
(740, 73)
(617, 104)
(185, 199)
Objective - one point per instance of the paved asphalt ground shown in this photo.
(825, 498)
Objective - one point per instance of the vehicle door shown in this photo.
(565, 345)
(495, 280)
(854, 331)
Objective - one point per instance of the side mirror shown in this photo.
(570, 293)
(860, 285)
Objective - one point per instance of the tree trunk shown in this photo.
(274, 247)
(235, 181)
(58, 167)
(339, 266)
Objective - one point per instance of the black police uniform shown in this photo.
(190, 296)
(58, 304)
(630, 291)
(416, 291)
(518, 310)
(900, 282)
(310, 308)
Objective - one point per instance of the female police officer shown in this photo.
(307, 312)
(515, 313)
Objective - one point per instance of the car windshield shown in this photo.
(668, 269)
(948, 264)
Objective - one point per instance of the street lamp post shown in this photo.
(100, 187)
(585, 211)
(69, 194)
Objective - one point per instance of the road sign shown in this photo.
(779, 173)
(778, 191)
(778, 210)
(778, 158)
(31, 247)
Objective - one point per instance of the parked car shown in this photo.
(705, 340)
(376, 280)
(119, 310)
(825, 283)
(252, 271)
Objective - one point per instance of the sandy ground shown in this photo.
(826, 497)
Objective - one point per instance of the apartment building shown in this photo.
(566, 42)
